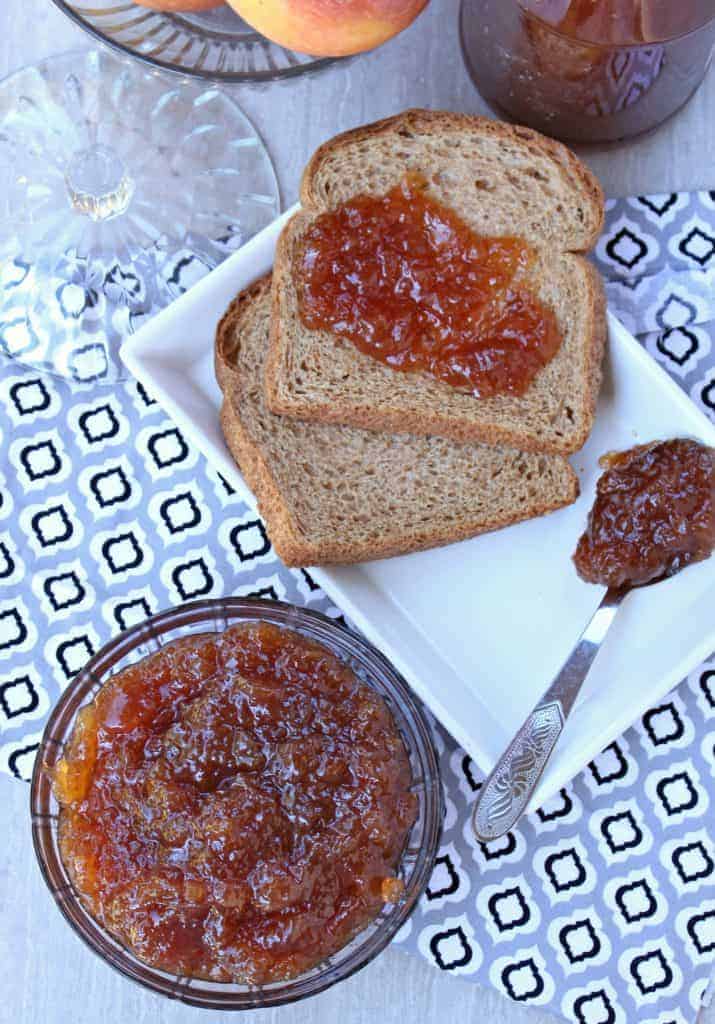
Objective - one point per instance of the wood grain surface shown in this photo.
(46, 975)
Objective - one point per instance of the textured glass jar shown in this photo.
(587, 70)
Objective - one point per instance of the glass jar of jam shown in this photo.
(587, 70)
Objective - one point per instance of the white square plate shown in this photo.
(479, 628)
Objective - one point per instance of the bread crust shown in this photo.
(292, 545)
(226, 333)
(434, 122)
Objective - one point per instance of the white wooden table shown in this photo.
(46, 975)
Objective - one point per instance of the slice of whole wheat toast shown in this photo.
(502, 181)
(332, 494)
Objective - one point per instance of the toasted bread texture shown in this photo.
(502, 181)
(332, 494)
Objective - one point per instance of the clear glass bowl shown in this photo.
(214, 616)
(216, 44)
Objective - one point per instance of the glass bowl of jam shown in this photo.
(237, 803)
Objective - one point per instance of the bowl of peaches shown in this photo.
(242, 40)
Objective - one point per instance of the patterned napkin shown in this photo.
(599, 907)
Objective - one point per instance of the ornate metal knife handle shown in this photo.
(505, 794)
(507, 791)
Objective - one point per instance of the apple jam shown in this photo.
(654, 514)
(587, 70)
(404, 279)
(234, 807)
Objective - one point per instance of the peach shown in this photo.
(329, 28)
(180, 5)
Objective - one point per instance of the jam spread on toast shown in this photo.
(404, 279)
(234, 806)
(654, 514)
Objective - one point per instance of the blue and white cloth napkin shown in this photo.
(601, 906)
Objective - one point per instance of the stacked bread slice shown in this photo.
(350, 460)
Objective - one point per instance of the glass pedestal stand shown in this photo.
(119, 188)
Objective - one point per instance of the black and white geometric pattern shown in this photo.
(107, 515)
(657, 254)
(601, 905)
